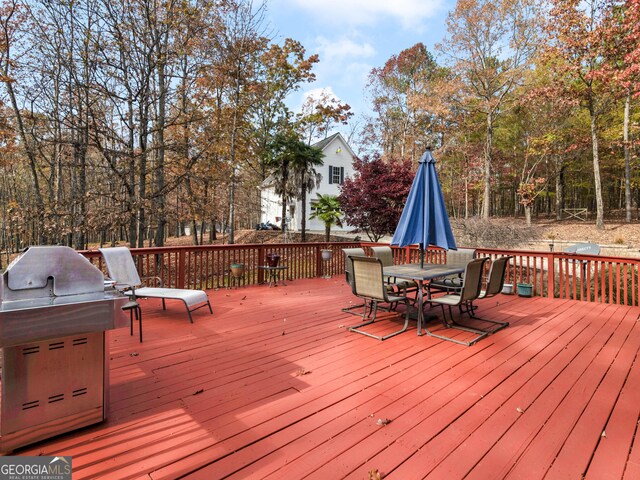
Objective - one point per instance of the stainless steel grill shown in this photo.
(54, 311)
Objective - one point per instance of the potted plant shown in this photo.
(272, 259)
(237, 270)
(525, 289)
(327, 254)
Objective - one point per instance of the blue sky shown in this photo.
(354, 36)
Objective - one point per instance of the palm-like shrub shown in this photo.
(327, 210)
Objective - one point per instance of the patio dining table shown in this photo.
(422, 275)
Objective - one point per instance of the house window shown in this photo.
(336, 175)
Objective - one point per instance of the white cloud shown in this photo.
(341, 59)
(343, 66)
(409, 13)
(343, 48)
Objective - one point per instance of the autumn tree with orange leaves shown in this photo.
(402, 122)
(574, 28)
(619, 36)
(489, 47)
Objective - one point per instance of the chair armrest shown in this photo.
(158, 281)
(125, 286)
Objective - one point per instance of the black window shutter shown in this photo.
(330, 174)
(341, 175)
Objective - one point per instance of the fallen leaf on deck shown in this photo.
(383, 421)
(134, 354)
(603, 434)
(375, 474)
(302, 371)
(519, 410)
(198, 391)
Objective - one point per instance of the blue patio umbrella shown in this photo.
(424, 219)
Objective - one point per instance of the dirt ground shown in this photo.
(262, 236)
(617, 239)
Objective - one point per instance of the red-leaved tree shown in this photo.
(374, 198)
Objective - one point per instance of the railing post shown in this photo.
(181, 269)
(551, 275)
(318, 261)
(261, 261)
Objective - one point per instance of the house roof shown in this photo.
(326, 141)
(269, 181)
(322, 144)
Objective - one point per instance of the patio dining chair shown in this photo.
(495, 278)
(385, 255)
(348, 266)
(369, 284)
(452, 283)
(494, 285)
(348, 274)
(471, 287)
(122, 269)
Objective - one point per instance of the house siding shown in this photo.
(337, 153)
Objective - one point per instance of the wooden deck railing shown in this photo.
(590, 278)
(553, 274)
(208, 266)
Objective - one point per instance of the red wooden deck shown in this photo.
(273, 386)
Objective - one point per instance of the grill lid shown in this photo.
(48, 271)
(51, 292)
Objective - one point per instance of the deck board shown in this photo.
(273, 386)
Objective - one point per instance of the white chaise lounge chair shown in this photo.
(122, 270)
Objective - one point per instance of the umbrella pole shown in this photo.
(421, 255)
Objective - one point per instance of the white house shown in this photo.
(338, 165)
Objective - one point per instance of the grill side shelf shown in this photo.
(29, 325)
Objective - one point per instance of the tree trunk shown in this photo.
(559, 187)
(213, 232)
(27, 145)
(627, 158)
(194, 231)
(466, 188)
(234, 135)
(596, 171)
(486, 210)
(80, 155)
(527, 214)
(160, 200)
(131, 188)
(303, 213)
(285, 181)
(142, 182)
(283, 220)
(232, 204)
